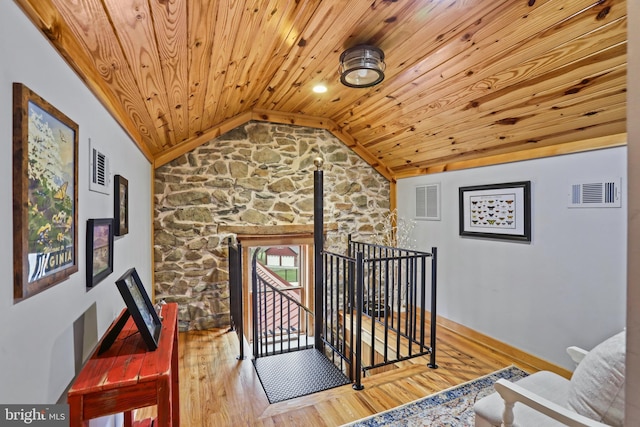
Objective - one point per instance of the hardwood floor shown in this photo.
(217, 390)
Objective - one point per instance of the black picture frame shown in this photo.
(99, 250)
(140, 307)
(496, 211)
(121, 205)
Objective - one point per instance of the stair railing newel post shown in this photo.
(235, 292)
(357, 384)
(434, 263)
(318, 246)
(254, 303)
(240, 296)
(351, 284)
(423, 299)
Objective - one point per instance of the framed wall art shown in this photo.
(99, 250)
(121, 206)
(45, 194)
(140, 307)
(496, 211)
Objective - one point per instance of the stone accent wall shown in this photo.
(257, 174)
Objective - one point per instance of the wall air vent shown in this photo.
(99, 177)
(603, 194)
(428, 202)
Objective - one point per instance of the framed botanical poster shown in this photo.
(99, 250)
(496, 211)
(45, 194)
(121, 206)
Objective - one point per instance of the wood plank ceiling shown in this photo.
(467, 82)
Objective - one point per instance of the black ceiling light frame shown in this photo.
(362, 66)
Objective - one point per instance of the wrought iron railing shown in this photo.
(395, 292)
(380, 289)
(375, 299)
(337, 296)
(281, 323)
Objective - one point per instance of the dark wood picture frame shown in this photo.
(496, 211)
(121, 205)
(99, 250)
(140, 307)
(45, 194)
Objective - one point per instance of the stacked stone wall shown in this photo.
(258, 174)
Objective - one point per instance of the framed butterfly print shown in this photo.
(496, 211)
(45, 194)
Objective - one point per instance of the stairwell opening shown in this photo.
(287, 263)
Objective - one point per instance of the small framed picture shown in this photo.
(496, 211)
(140, 307)
(99, 250)
(121, 205)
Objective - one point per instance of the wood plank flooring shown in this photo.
(218, 390)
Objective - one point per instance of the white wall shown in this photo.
(566, 287)
(44, 339)
(38, 350)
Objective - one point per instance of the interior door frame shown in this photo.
(249, 241)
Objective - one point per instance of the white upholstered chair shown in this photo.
(593, 397)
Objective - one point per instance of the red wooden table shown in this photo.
(128, 376)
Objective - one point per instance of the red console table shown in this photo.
(128, 376)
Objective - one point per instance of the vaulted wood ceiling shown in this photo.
(468, 82)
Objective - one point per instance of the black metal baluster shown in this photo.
(254, 308)
(423, 299)
(384, 307)
(359, 302)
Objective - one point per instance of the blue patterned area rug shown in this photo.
(449, 408)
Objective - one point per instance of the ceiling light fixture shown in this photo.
(319, 88)
(362, 66)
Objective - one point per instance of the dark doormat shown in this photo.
(295, 374)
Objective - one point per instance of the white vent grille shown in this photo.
(604, 194)
(428, 202)
(99, 178)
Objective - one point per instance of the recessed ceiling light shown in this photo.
(320, 88)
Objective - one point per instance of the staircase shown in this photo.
(390, 278)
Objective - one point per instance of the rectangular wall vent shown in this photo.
(99, 178)
(428, 202)
(604, 194)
